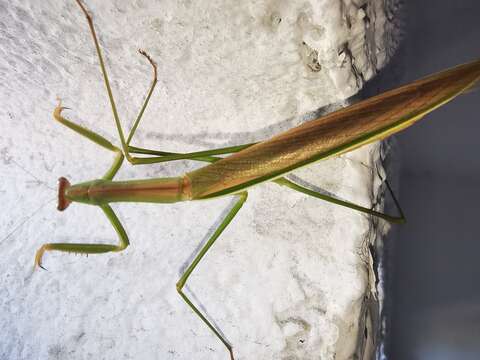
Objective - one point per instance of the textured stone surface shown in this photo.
(287, 279)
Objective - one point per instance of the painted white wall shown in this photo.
(286, 280)
(435, 293)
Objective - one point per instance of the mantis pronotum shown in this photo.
(250, 164)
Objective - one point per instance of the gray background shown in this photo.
(228, 74)
(434, 292)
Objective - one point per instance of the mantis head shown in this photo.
(63, 201)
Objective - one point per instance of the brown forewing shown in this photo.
(335, 133)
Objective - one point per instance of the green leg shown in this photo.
(147, 98)
(181, 283)
(206, 156)
(98, 139)
(88, 248)
(107, 82)
(393, 219)
(92, 136)
(163, 156)
(126, 143)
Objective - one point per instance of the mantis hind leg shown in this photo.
(208, 156)
(392, 219)
(88, 248)
(183, 279)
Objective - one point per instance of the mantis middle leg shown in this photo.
(127, 149)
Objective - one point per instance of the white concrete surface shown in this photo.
(287, 279)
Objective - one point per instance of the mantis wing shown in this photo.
(336, 133)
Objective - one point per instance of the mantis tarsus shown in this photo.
(249, 164)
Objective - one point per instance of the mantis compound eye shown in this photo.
(63, 202)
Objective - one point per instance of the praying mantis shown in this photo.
(249, 164)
